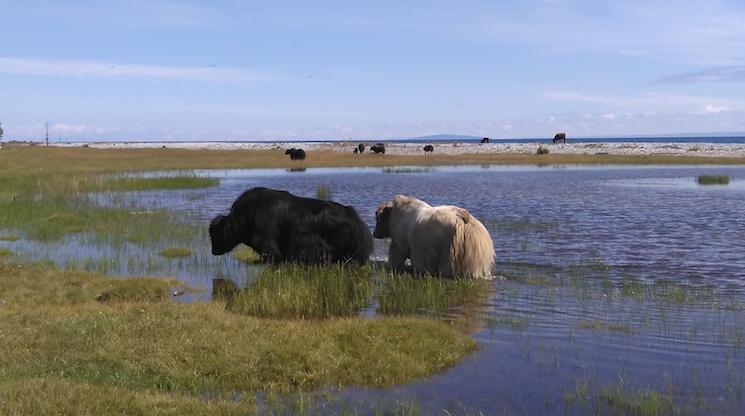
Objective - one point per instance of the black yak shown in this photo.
(429, 148)
(379, 148)
(284, 227)
(295, 154)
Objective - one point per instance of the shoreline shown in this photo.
(702, 149)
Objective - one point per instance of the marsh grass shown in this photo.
(542, 150)
(616, 401)
(619, 401)
(175, 252)
(404, 294)
(155, 183)
(712, 180)
(305, 292)
(5, 252)
(9, 237)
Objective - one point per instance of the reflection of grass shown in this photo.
(296, 291)
(323, 192)
(604, 326)
(504, 320)
(520, 225)
(713, 180)
(59, 343)
(10, 237)
(175, 252)
(406, 169)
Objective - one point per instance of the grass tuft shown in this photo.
(712, 180)
(9, 237)
(305, 292)
(5, 252)
(542, 150)
(245, 254)
(175, 252)
(404, 294)
(323, 192)
(595, 325)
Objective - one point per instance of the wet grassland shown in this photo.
(94, 321)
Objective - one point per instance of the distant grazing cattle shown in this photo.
(295, 154)
(444, 240)
(429, 148)
(485, 140)
(379, 148)
(560, 138)
(361, 148)
(284, 227)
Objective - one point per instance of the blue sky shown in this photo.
(245, 70)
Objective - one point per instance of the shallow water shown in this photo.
(570, 240)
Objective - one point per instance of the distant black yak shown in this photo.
(284, 227)
(485, 140)
(378, 148)
(361, 148)
(295, 154)
(429, 148)
(560, 138)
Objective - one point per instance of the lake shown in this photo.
(610, 279)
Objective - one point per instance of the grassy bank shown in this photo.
(121, 346)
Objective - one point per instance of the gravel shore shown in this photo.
(627, 148)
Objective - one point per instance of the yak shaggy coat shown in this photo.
(444, 240)
(284, 227)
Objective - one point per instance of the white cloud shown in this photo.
(608, 116)
(64, 128)
(74, 68)
(715, 109)
(507, 127)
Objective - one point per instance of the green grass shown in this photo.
(245, 254)
(404, 294)
(9, 237)
(32, 284)
(306, 292)
(64, 349)
(175, 252)
(616, 401)
(5, 252)
(712, 180)
(154, 183)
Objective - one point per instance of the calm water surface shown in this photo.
(568, 240)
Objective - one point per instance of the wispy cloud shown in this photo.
(716, 74)
(647, 101)
(74, 68)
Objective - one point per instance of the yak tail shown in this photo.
(472, 252)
